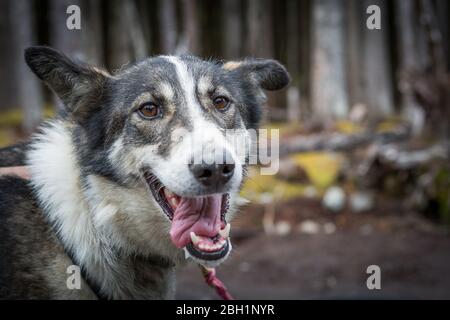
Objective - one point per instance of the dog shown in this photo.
(114, 189)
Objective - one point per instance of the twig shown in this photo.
(341, 142)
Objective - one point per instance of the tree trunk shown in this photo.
(167, 26)
(304, 32)
(137, 39)
(92, 34)
(376, 66)
(29, 88)
(145, 13)
(232, 30)
(443, 13)
(408, 67)
(293, 63)
(329, 89)
(190, 34)
(68, 41)
(259, 29)
(423, 54)
(355, 78)
(8, 89)
(125, 37)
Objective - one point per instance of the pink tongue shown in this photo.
(200, 215)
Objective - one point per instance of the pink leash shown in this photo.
(211, 279)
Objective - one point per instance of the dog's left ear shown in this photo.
(79, 86)
(267, 73)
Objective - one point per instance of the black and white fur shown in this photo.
(87, 202)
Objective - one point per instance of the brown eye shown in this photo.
(149, 110)
(221, 103)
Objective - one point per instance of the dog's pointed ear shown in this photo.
(74, 83)
(267, 73)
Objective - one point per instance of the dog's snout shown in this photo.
(211, 175)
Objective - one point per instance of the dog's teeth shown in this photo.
(194, 238)
(168, 193)
(225, 232)
(186, 254)
(174, 202)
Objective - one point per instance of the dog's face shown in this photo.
(161, 129)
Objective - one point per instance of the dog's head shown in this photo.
(151, 139)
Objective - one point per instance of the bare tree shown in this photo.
(125, 36)
(8, 89)
(85, 44)
(92, 35)
(443, 15)
(190, 33)
(376, 66)
(61, 38)
(329, 89)
(304, 33)
(407, 60)
(167, 25)
(355, 78)
(293, 60)
(259, 29)
(232, 32)
(28, 88)
(145, 12)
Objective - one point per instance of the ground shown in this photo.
(412, 252)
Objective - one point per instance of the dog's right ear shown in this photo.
(77, 85)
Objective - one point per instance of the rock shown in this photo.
(282, 228)
(310, 192)
(266, 198)
(240, 201)
(358, 113)
(361, 201)
(366, 230)
(244, 267)
(334, 199)
(329, 228)
(290, 171)
(309, 227)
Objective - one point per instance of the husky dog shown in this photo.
(113, 187)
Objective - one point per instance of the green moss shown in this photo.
(279, 190)
(284, 128)
(322, 168)
(5, 138)
(442, 184)
(388, 125)
(11, 118)
(347, 127)
(10, 122)
(14, 117)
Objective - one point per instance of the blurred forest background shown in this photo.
(364, 174)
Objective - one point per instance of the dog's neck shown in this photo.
(107, 257)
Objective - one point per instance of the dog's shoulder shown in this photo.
(13, 188)
(14, 155)
(29, 249)
(17, 203)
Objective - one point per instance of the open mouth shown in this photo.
(198, 223)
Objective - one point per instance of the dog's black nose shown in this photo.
(211, 175)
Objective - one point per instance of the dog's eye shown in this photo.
(221, 103)
(149, 110)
